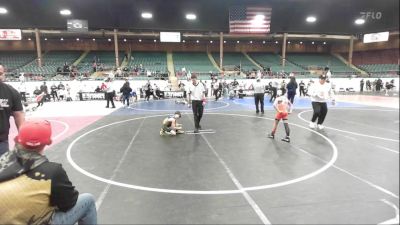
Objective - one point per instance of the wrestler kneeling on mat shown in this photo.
(170, 125)
(283, 107)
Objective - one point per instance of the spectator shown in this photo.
(302, 86)
(44, 90)
(54, 94)
(291, 89)
(10, 105)
(35, 190)
(361, 85)
(22, 90)
(126, 93)
(61, 86)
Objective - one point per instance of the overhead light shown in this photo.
(263, 42)
(94, 39)
(301, 42)
(140, 40)
(359, 21)
(65, 12)
(45, 39)
(191, 16)
(197, 41)
(324, 43)
(109, 40)
(147, 15)
(211, 42)
(312, 42)
(183, 41)
(276, 42)
(3, 10)
(251, 42)
(288, 42)
(238, 42)
(224, 41)
(311, 19)
(29, 39)
(124, 39)
(77, 39)
(61, 39)
(155, 40)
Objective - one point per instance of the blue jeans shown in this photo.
(3, 147)
(84, 212)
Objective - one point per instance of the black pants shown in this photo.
(216, 93)
(23, 96)
(110, 98)
(302, 91)
(148, 93)
(361, 88)
(198, 108)
(54, 95)
(259, 99)
(291, 95)
(273, 94)
(320, 111)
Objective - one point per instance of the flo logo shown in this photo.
(371, 15)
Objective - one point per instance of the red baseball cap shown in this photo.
(34, 134)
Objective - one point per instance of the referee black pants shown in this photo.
(198, 108)
(259, 99)
(273, 94)
(320, 111)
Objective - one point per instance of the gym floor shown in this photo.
(345, 174)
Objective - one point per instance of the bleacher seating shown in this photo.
(51, 61)
(155, 62)
(15, 60)
(106, 58)
(195, 62)
(317, 60)
(236, 59)
(377, 61)
(274, 61)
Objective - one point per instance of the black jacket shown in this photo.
(33, 188)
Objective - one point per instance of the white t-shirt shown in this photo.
(321, 92)
(259, 88)
(196, 91)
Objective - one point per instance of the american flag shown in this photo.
(249, 19)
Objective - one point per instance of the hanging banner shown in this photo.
(10, 35)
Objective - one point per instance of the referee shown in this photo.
(197, 99)
(259, 90)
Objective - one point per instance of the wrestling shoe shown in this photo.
(320, 127)
(180, 132)
(312, 125)
(196, 131)
(286, 139)
(271, 136)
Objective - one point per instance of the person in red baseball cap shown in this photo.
(34, 190)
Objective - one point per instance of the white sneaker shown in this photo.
(312, 125)
(320, 127)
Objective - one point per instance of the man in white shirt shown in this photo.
(197, 100)
(110, 93)
(320, 93)
(259, 90)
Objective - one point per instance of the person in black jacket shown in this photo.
(126, 93)
(291, 89)
(34, 190)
